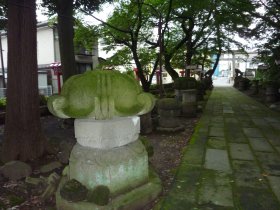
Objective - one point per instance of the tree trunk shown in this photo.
(66, 36)
(140, 72)
(219, 49)
(189, 55)
(169, 68)
(23, 139)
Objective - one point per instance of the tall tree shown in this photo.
(267, 28)
(133, 34)
(23, 139)
(65, 10)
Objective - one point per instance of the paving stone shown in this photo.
(252, 132)
(176, 201)
(228, 111)
(255, 199)
(256, 113)
(231, 120)
(273, 138)
(217, 159)
(261, 123)
(215, 131)
(234, 139)
(278, 149)
(242, 117)
(270, 162)
(215, 188)
(275, 185)
(272, 119)
(194, 155)
(247, 124)
(186, 179)
(240, 151)
(216, 143)
(260, 144)
(276, 126)
(248, 174)
(217, 119)
(201, 137)
(219, 125)
(235, 134)
(211, 206)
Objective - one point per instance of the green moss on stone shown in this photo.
(100, 195)
(147, 144)
(100, 95)
(168, 104)
(73, 191)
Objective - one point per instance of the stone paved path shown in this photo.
(233, 160)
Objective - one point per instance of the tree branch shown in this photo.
(105, 23)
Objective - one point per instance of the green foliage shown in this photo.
(147, 144)
(51, 6)
(85, 36)
(15, 200)
(201, 90)
(130, 73)
(100, 195)
(3, 103)
(122, 57)
(184, 83)
(43, 100)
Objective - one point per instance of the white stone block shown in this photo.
(106, 134)
(120, 169)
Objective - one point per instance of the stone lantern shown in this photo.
(108, 152)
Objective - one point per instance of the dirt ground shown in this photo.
(167, 156)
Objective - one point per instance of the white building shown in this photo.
(48, 53)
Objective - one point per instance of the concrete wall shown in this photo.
(45, 45)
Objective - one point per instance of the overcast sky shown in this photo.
(106, 10)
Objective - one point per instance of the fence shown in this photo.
(43, 90)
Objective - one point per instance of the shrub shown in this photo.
(43, 100)
(208, 83)
(3, 103)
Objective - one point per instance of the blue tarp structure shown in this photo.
(217, 72)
